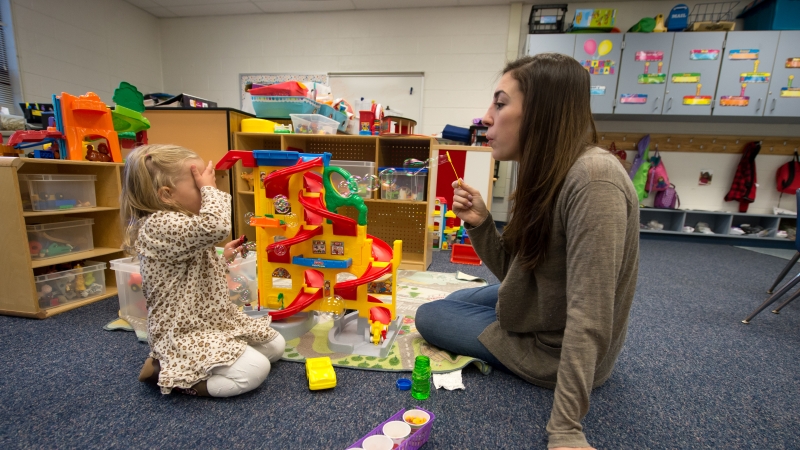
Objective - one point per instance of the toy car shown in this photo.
(320, 373)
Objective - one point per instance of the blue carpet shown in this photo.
(691, 376)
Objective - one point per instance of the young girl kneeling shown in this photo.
(200, 343)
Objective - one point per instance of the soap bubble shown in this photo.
(282, 205)
(248, 216)
(442, 159)
(371, 183)
(249, 247)
(280, 250)
(344, 189)
(388, 177)
(332, 307)
(291, 220)
(412, 163)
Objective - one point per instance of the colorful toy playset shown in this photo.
(314, 259)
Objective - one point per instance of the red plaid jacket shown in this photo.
(743, 188)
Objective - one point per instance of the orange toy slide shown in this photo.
(87, 118)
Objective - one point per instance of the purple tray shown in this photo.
(413, 442)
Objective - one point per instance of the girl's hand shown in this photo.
(232, 248)
(468, 204)
(206, 178)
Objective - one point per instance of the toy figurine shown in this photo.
(248, 177)
(80, 285)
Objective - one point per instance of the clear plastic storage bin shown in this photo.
(358, 169)
(405, 184)
(132, 305)
(57, 191)
(313, 124)
(55, 239)
(72, 285)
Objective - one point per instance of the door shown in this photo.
(643, 73)
(547, 43)
(745, 73)
(783, 98)
(693, 73)
(599, 54)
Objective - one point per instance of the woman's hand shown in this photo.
(206, 178)
(468, 204)
(232, 248)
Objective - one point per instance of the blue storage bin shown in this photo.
(329, 112)
(267, 107)
(771, 15)
(457, 134)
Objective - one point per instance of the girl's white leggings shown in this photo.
(247, 372)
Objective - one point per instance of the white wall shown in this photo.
(460, 50)
(78, 46)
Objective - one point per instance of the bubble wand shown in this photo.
(454, 168)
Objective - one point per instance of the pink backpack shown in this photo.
(657, 178)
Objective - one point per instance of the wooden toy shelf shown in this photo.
(388, 219)
(19, 296)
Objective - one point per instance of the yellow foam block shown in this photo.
(258, 126)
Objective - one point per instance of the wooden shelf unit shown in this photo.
(388, 220)
(19, 296)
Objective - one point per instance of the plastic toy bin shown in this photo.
(358, 169)
(57, 192)
(67, 286)
(133, 306)
(54, 239)
(313, 124)
(415, 440)
(408, 184)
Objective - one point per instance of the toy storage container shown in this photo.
(409, 184)
(270, 107)
(331, 113)
(416, 440)
(67, 286)
(54, 239)
(57, 191)
(133, 306)
(358, 169)
(313, 124)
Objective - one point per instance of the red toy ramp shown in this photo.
(312, 181)
(301, 302)
(230, 158)
(380, 314)
(381, 251)
(347, 289)
(464, 254)
(278, 182)
(342, 226)
(302, 235)
(314, 278)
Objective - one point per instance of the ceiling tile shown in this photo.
(171, 3)
(160, 12)
(394, 4)
(484, 2)
(288, 6)
(143, 3)
(227, 9)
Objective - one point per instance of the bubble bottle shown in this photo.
(421, 378)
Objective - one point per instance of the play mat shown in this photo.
(413, 289)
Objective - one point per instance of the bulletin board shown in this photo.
(272, 78)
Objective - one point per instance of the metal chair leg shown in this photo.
(784, 289)
(784, 272)
(791, 299)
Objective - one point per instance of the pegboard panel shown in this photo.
(392, 152)
(391, 221)
(349, 148)
(701, 143)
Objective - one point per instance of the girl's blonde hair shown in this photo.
(147, 169)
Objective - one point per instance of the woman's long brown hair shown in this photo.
(557, 128)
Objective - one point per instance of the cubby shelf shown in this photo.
(389, 220)
(17, 269)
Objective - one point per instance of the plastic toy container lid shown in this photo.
(56, 177)
(403, 170)
(57, 225)
(403, 384)
(91, 266)
(130, 265)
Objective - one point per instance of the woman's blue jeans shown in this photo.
(454, 323)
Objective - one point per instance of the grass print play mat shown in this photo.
(413, 289)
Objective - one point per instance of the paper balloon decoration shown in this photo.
(590, 46)
(605, 47)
